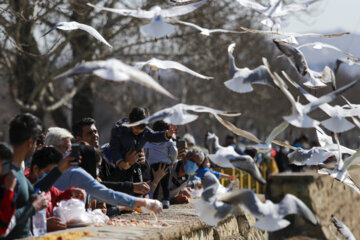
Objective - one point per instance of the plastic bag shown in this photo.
(72, 212)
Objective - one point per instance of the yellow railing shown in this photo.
(245, 179)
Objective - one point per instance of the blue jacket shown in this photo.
(165, 152)
(78, 177)
(122, 140)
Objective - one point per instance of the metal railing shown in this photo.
(245, 179)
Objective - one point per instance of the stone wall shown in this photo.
(324, 196)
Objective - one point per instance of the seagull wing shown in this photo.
(295, 56)
(322, 137)
(320, 45)
(232, 68)
(236, 130)
(350, 160)
(188, 24)
(253, 5)
(138, 13)
(247, 200)
(181, 10)
(166, 64)
(160, 115)
(276, 131)
(92, 31)
(83, 68)
(203, 109)
(247, 164)
(293, 205)
(211, 185)
(342, 228)
(328, 97)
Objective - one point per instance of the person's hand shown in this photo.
(232, 178)
(141, 157)
(181, 199)
(153, 205)
(161, 172)
(78, 193)
(181, 153)
(131, 157)
(172, 130)
(141, 187)
(54, 224)
(40, 202)
(65, 164)
(9, 181)
(186, 192)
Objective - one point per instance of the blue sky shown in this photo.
(327, 15)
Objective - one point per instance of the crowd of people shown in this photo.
(140, 167)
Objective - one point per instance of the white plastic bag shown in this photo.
(72, 212)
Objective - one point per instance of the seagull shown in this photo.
(114, 70)
(270, 216)
(337, 122)
(262, 146)
(313, 156)
(310, 78)
(207, 207)
(226, 157)
(342, 228)
(181, 2)
(155, 64)
(299, 117)
(347, 60)
(291, 37)
(69, 26)
(320, 46)
(157, 28)
(351, 106)
(243, 78)
(179, 114)
(275, 9)
(205, 31)
(340, 172)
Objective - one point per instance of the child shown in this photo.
(161, 152)
(205, 167)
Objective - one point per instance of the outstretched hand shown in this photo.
(172, 130)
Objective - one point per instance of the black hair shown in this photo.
(230, 136)
(160, 126)
(137, 114)
(23, 127)
(5, 151)
(77, 127)
(46, 156)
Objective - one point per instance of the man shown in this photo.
(85, 131)
(60, 138)
(180, 175)
(127, 142)
(23, 132)
(7, 192)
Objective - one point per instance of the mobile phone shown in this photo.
(75, 153)
(40, 140)
(6, 166)
(180, 144)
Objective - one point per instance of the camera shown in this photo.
(180, 144)
(6, 166)
(75, 153)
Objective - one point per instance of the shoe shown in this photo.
(166, 204)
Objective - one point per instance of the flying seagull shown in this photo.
(243, 78)
(262, 146)
(337, 122)
(69, 26)
(313, 156)
(158, 27)
(275, 10)
(114, 70)
(291, 37)
(270, 215)
(342, 229)
(310, 78)
(226, 157)
(179, 114)
(205, 31)
(299, 117)
(155, 64)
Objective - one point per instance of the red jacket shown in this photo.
(7, 206)
(54, 195)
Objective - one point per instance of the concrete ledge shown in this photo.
(184, 225)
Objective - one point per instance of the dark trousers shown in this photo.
(164, 182)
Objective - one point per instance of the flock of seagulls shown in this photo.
(217, 202)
